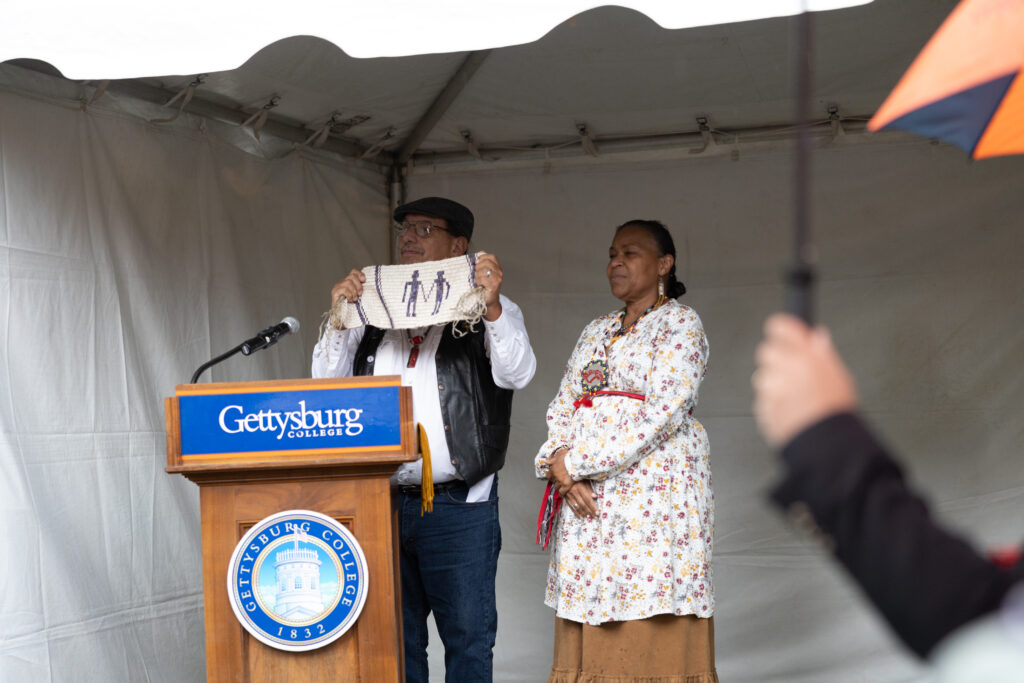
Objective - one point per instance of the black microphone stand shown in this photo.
(263, 339)
(213, 361)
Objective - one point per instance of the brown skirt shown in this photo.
(662, 649)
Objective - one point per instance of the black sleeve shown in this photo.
(924, 580)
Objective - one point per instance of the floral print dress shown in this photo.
(648, 551)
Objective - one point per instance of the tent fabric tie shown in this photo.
(587, 140)
(185, 95)
(471, 147)
(259, 119)
(706, 135)
(101, 90)
(319, 136)
(378, 146)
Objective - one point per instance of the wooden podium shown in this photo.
(348, 484)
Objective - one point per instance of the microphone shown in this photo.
(269, 336)
(262, 340)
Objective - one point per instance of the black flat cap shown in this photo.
(459, 218)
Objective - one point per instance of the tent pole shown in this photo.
(440, 105)
(396, 197)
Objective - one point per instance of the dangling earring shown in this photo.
(661, 288)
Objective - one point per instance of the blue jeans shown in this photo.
(449, 558)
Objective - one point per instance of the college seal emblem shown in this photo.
(297, 580)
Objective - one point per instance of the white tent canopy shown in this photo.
(133, 248)
(123, 39)
(613, 74)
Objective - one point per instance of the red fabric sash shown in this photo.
(549, 507)
(585, 400)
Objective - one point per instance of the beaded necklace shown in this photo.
(626, 329)
(594, 378)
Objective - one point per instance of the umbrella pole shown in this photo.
(799, 299)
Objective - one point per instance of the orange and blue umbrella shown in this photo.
(967, 85)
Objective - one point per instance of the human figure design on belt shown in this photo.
(411, 292)
(441, 288)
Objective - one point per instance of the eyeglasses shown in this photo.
(422, 228)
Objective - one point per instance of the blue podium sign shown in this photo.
(295, 421)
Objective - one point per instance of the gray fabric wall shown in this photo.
(130, 253)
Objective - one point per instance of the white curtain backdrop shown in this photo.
(922, 283)
(130, 253)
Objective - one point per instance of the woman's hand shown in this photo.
(582, 499)
(557, 472)
(578, 495)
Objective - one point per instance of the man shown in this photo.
(462, 395)
(926, 581)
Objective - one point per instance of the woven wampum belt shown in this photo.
(414, 295)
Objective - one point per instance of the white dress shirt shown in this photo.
(512, 367)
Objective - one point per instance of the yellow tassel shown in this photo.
(427, 502)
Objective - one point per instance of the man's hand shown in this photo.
(800, 379)
(488, 276)
(351, 287)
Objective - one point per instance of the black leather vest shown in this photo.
(475, 410)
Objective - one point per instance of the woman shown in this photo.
(630, 572)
